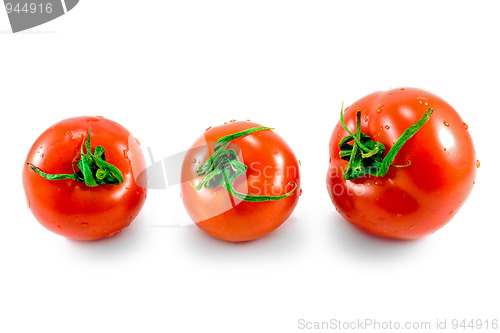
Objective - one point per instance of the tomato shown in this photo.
(241, 188)
(85, 203)
(434, 170)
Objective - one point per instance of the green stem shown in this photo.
(91, 168)
(223, 167)
(364, 156)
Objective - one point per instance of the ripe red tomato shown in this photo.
(240, 187)
(87, 200)
(439, 165)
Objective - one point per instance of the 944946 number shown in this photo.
(29, 8)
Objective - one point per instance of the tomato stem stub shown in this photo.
(223, 167)
(91, 168)
(364, 155)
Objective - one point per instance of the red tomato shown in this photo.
(264, 193)
(71, 208)
(412, 201)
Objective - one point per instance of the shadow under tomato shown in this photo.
(283, 241)
(360, 244)
(119, 245)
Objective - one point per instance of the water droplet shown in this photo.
(138, 142)
(275, 153)
(478, 164)
(474, 182)
(402, 88)
(422, 101)
(330, 160)
(85, 224)
(208, 128)
(59, 227)
(248, 120)
(381, 128)
(112, 233)
(387, 127)
(42, 155)
(93, 119)
(445, 149)
(365, 118)
(300, 192)
(411, 227)
(225, 123)
(232, 120)
(127, 188)
(194, 160)
(300, 163)
(125, 153)
(451, 212)
(338, 134)
(380, 108)
(447, 124)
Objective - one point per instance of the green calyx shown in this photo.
(92, 168)
(365, 155)
(223, 167)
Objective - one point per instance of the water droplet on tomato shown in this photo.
(478, 164)
(411, 227)
(380, 108)
(125, 153)
(300, 163)
(138, 142)
(85, 224)
(300, 192)
(422, 101)
(248, 120)
(474, 182)
(402, 88)
(59, 227)
(225, 123)
(232, 120)
(445, 149)
(338, 134)
(387, 127)
(466, 126)
(451, 212)
(112, 233)
(93, 119)
(194, 160)
(275, 153)
(365, 118)
(447, 124)
(208, 128)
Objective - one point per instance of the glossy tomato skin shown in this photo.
(70, 208)
(410, 202)
(272, 170)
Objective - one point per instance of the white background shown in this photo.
(167, 70)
